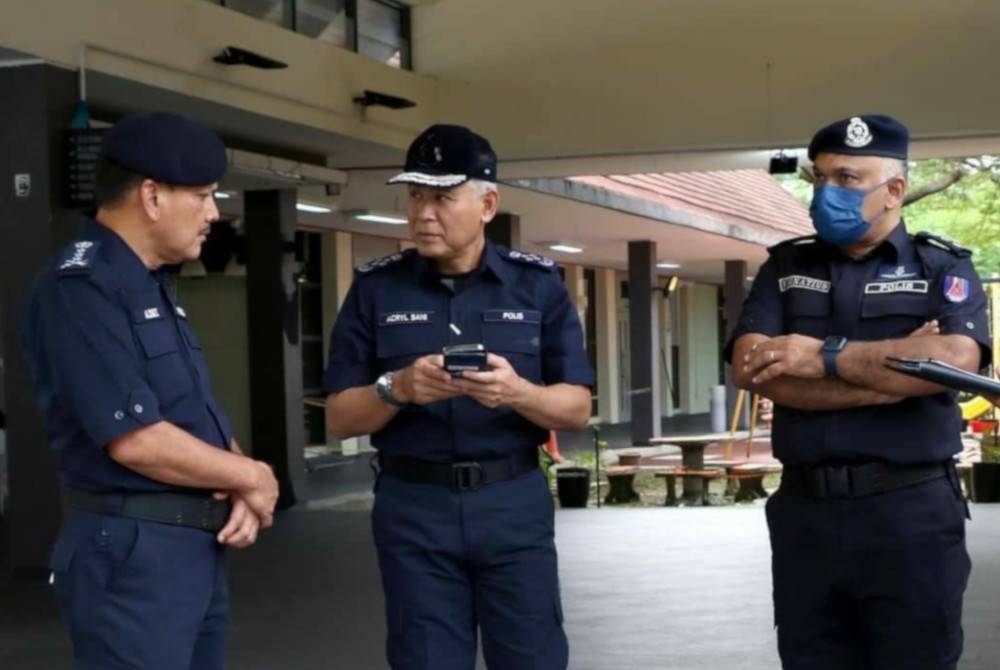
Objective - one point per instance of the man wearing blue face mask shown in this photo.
(868, 526)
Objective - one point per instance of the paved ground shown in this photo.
(644, 589)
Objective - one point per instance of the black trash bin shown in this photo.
(985, 482)
(573, 486)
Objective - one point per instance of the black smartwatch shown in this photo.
(832, 346)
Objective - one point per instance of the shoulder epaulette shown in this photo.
(536, 260)
(944, 243)
(384, 262)
(78, 258)
(793, 242)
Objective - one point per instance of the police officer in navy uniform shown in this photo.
(868, 525)
(463, 518)
(154, 482)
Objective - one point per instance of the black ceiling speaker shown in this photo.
(237, 56)
(376, 99)
(783, 164)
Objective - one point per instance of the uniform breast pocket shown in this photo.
(517, 336)
(893, 315)
(396, 346)
(166, 371)
(807, 313)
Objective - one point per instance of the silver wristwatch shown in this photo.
(383, 388)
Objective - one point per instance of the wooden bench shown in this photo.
(732, 483)
(751, 480)
(671, 475)
(620, 480)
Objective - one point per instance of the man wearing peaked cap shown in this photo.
(868, 526)
(154, 481)
(463, 518)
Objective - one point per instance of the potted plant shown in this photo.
(986, 473)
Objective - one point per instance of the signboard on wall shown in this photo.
(83, 147)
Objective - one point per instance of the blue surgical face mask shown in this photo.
(836, 213)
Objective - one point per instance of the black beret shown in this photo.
(866, 135)
(167, 148)
(445, 156)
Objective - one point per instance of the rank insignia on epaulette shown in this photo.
(943, 243)
(380, 263)
(531, 259)
(79, 257)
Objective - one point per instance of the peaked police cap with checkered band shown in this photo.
(865, 135)
(446, 156)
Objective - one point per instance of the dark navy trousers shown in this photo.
(139, 595)
(874, 583)
(454, 564)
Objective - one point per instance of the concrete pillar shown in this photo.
(38, 104)
(505, 230)
(734, 293)
(666, 341)
(644, 337)
(577, 289)
(276, 395)
(338, 273)
(608, 378)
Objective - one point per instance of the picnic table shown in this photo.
(693, 457)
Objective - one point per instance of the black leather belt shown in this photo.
(461, 476)
(858, 481)
(194, 510)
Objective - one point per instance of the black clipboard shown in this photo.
(944, 374)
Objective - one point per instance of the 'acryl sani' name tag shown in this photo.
(405, 318)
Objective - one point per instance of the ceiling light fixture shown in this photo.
(668, 266)
(375, 217)
(312, 209)
(565, 248)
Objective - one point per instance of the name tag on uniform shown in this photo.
(903, 286)
(151, 313)
(405, 318)
(803, 282)
(512, 316)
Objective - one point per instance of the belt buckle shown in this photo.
(837, 481)
(467, 476)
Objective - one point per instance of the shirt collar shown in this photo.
(490, 264)
(897, 245)
(126, 262)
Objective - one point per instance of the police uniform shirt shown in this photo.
(808, 287)
(399, 309)
(112, 352)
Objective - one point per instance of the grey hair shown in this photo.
(895, 167)
(481, 187)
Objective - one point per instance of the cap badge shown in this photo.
(437, 155)
(858, 133)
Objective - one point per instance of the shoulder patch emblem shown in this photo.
(956, 289)
(530, 259)
(379, 263)
(78, 257)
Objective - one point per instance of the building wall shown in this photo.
(216, 306)
(699, 346)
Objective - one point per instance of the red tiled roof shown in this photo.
(750, 199)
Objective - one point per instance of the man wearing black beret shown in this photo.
(868, 526)
(155, 484)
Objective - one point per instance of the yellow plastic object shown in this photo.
(975, 408)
